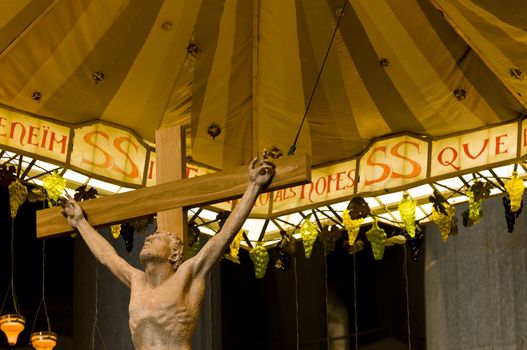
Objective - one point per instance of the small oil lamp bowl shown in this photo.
(43, 340)
(12, 325)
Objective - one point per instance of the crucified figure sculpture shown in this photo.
(165, 299)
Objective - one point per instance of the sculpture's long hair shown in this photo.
(176, 257)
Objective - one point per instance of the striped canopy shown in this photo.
(356, 70)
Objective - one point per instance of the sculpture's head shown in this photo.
(162, 246)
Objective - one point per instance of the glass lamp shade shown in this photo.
(12, 325)
(43, 340)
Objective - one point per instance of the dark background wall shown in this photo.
(476, 284)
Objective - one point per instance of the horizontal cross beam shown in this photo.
(196, 191)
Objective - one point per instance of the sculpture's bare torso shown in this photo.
(164, 317)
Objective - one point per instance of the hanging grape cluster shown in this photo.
(476, 194)
(116, 230)
(445, 221)
(474, 207)
(510, 216)
(352, 226)
(472, 215)
(377, 238)
(353, 217)
(17, 196)
(309, 233)
(415, 244)
(407, 212)
(54, 185)
(515, 188)
(234, 248)
(260, 258)
(329, 237)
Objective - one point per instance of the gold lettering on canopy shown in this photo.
(476, 149)
(393, 162)
(327, 184)
(109, 152)
(33, 135)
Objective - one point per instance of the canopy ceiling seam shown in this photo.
(475, 48)
(181, 68)
(36, 21)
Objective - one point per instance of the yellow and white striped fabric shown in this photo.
(429, 67)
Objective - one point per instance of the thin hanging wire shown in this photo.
(44, 284)
(100, 337)
(296, 307)
(457, 292)
(405, 266)
(95, 325)
(355, 303)
(11, 282)
(211, 343)
(292, 149)
(43, 299)
(92, 341)
(327, 301)
(487, 246)
(5, 299)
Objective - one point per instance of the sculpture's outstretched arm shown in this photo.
(260, 174)
(98, 245)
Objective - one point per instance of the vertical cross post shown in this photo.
(171, 166)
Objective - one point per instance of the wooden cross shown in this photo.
(197, 191)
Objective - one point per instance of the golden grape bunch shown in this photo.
(54, 185)
(407, 211)
(377, 238)
(474, 207)
(444, 222)
(234, 247)
(17, 196)
(352, 226)
(260, 258)
(309, 232)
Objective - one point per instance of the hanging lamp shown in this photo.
(12, 324)
(43, 340)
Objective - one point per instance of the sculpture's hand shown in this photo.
(71, 210)
(261, 172)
